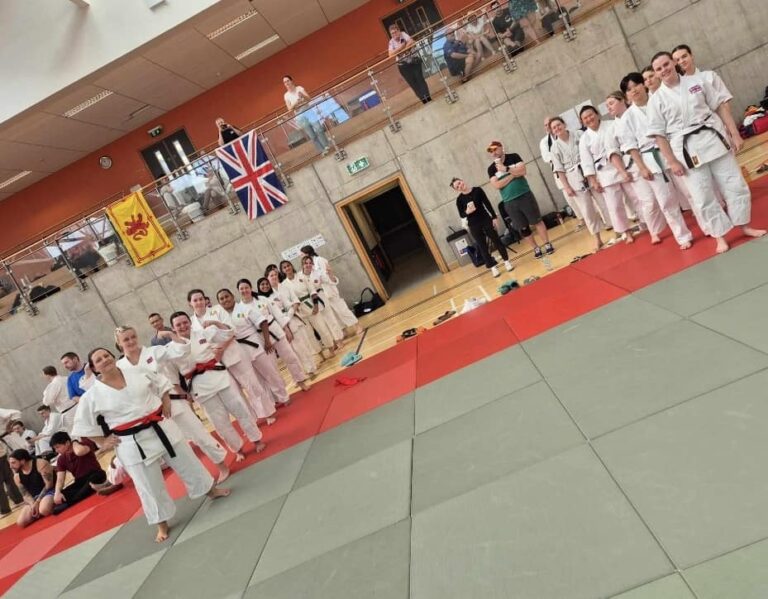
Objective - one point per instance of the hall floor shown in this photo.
(598, 433)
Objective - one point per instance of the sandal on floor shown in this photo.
(443, 317)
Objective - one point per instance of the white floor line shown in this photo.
(484, 292)
(453, 305)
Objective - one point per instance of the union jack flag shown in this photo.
(252, 175)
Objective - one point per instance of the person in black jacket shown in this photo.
(473, 204)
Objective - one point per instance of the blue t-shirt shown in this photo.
(452, 46)
(73, 383)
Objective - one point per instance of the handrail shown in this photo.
(274, 119)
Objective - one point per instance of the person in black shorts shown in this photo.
(507, 174)
(473, 204)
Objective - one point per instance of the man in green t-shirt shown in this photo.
(507, 174)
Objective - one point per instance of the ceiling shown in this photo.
(151, 81)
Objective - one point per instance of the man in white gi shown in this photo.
(696, 134)
(651, 181)
(56, 397)
(209, 383)
(53, 422)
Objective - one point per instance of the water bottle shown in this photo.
(547, 263)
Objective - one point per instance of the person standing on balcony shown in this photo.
(409, 62)
(296, 99)
(227, 133)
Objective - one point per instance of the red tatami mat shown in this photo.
(521, 314)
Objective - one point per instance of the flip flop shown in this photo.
(508, 286)
(443, 317)
(531, 279)
(350, 358)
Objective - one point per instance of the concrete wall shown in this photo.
(436, 143)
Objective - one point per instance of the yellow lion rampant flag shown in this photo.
(137, 226)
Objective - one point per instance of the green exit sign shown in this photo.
(358, 165)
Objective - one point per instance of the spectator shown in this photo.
(79, 459)
(34, 477)
(519, 11)
(508, 30)
(172, 201)
(409, 62)
(156, 322)
(53, 422)
(27, 435)
(458, 57)
(296, 99)
(478, 31)
(71, 361)
(473, 205)
(7, 434)
(507, 174)
(55, 396)
(8, 487)
(227, 133)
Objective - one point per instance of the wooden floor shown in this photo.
(420, 305)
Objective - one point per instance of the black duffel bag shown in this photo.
(364, 306)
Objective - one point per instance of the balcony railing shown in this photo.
(373, 96)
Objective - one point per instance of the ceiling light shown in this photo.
(13, 179)
(232, 24)
(88, 103)
(257, 47)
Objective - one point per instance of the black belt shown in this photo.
(177, 396)
(688, 160)
(187, 385)
(131, 432)
(68, 409)
(248, 342)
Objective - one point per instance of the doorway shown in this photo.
(169, 154)
(415, 17)
(391, 237)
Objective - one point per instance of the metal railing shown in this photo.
(374, 96)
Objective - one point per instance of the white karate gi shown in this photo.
(304, 288)
(595, 151)
(333, 300)
(655, 197)
(141, 397)
(236, 359)
(56, 396)
(12, 440)
(566, 159)
(272, 312)
(304, 344)
(676, 112)
(158, 359)
(53, 424)
(546, 156)
(215, 390)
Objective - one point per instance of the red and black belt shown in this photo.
(130, 429)
(185, 380)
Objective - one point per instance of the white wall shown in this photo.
(48, 45)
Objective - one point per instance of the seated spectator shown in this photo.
(8, 487)
(27, 435)
(7, 435)
(156, 322)
(509, 30)
(34, 477)
(53, 422)
(478, 31)
(79, 459)
(519, 11)
(458, 57)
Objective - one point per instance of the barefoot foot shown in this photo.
(722, 245)
(215, 493)
(686, 246)
(223, 473)
(628, 238)
(239, 457)
(271, 420)
(259, 447)
(162, 532)
(750, 232)
(303, 386)
(655, 239)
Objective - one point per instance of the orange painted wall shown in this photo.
(313, 62)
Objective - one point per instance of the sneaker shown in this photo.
(495, 271)
(508, 266)
(548, 248)
(537, 252)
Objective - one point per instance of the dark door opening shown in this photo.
(415, 17)
(390, 234)
(169, 154)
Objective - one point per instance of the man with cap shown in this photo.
(507, 174)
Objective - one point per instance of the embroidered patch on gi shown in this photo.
(150, 359)
(203, 341)
(695, 89)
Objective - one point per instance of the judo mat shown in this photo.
(598, 433)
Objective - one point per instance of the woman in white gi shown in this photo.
(565, 157)
(211, 386)
(332, 298)
(275, 337)
(158, 359)
(651, 181)
(297, 332)
(601, 163)
(134, 409)
(236, 359)
(696, 135)
(309, 303)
